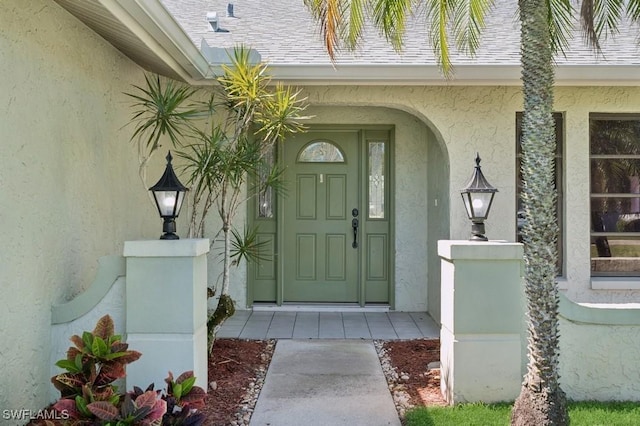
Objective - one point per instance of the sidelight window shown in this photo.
(376, 179)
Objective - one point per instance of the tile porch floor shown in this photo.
(259, 325)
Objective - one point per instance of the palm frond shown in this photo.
(633, 10)
(439, 15)
(390, 16)
(355, 24)
(328, 14)
(468, 23)
(560, 23)
(600, 18)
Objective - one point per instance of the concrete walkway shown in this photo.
(325, 383)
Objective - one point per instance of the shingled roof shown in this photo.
(285, 34)
(175, 38)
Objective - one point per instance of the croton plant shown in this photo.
(88, 395)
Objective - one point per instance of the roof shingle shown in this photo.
(284, 33)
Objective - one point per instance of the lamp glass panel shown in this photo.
(466, 199)
(480, 203)
(181, 195)
(167, 202)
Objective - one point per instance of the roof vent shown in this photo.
(212, 18)
(230, 10)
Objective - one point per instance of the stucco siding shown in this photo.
(599, 362)
(68, 179)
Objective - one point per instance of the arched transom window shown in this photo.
(321, 151)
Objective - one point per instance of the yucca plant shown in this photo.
(225, 137)
(161, 109)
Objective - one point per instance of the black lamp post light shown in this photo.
(477, 197)
(169, 194)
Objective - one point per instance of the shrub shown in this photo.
(89, 396)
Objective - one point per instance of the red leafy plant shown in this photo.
(184, 399)
(89, 396)
(145, 409)
(95, 361)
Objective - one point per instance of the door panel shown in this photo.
(336, 197)
(306, 196)
(376, 257)
(306, 260)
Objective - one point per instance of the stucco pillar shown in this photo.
(166, 313)
(482, 320)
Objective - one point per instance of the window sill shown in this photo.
(615, 283)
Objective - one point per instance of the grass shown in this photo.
(587, 413)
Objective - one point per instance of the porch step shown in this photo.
(322, 307)
(260, 325)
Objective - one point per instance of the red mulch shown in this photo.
(233, 365)
(412, 358)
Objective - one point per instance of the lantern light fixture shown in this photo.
(169, 194)
(477, 197)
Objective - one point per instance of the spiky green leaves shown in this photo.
(247, 246)
(161, 109)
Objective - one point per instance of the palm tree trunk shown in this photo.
(541, 401)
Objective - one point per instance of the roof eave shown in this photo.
(463, 75)
(155, 26)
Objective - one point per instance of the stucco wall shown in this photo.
(599, 361)
(68, 179)
(469, 119)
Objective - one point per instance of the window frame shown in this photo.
(340, 159)
(594, 234)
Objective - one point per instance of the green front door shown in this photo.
(335, 179)
(321, 251)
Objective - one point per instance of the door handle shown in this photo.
(354, 225)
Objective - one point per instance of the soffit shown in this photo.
(97, 17)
